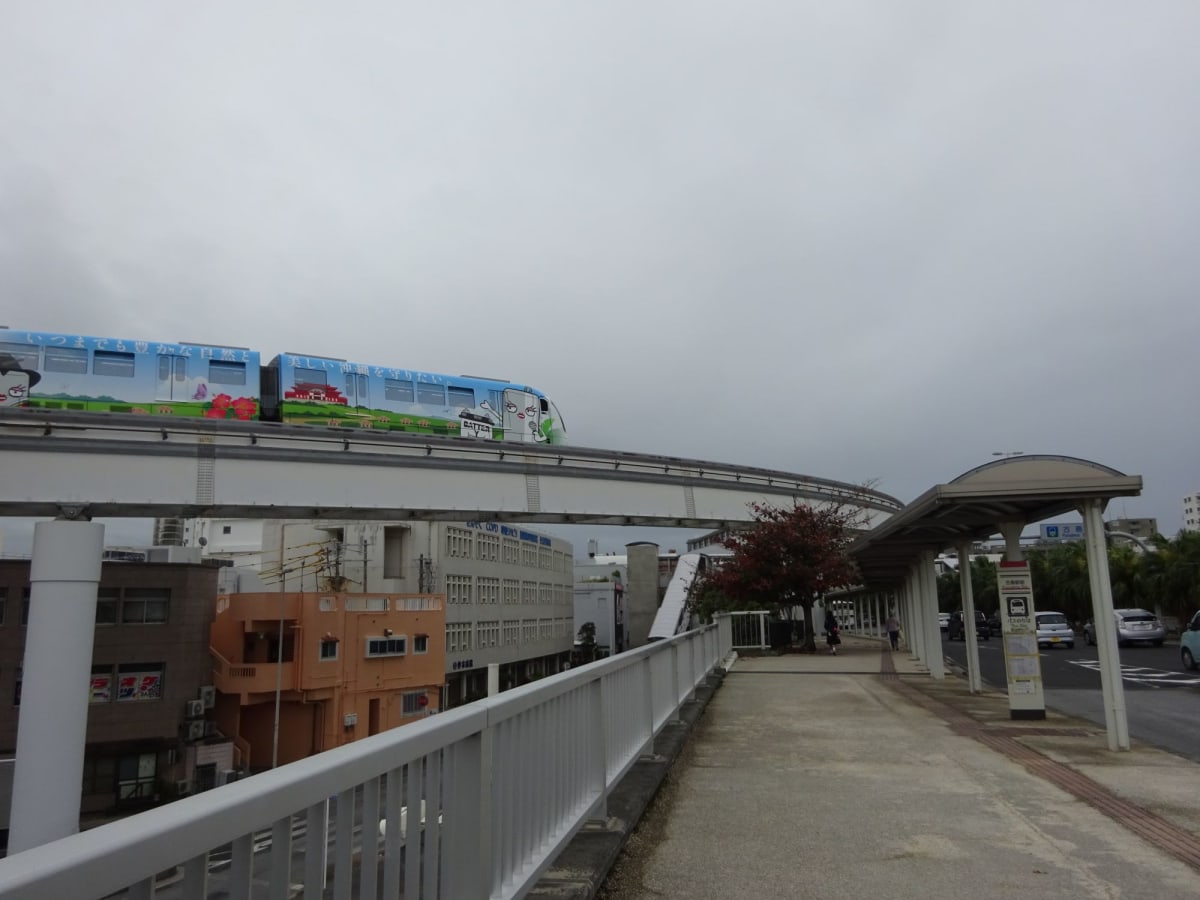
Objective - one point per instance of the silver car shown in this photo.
(1054, 629)
(1132, 625)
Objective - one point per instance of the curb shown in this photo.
(581, 868)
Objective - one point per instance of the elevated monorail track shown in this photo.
(83, 465)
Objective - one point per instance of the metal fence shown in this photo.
(502, 785)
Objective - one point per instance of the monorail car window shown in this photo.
(25, 354)
(66, 359)
(461, 397)
(110, 362)
(399, 391)
(431, 394)
(221, 372)
(310, 376)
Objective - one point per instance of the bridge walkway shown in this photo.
(859, 776)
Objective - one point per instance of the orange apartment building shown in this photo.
(349, 666)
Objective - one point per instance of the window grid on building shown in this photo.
(512, 551)
(529, 630)
(458, 637)
(545, 594)
(528, 593)
(488, 589)
(459, 542)
(512, 590)
(487, 547)
(488, 634)
(458, 589)
(545, 558)
(545, 629)
(529, 555)
(512, 633)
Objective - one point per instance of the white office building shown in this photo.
(1191, 512)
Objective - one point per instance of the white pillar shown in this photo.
(917, 626)
(937, 659)
(493, 679)
(1116, 720)
(974, 681)
(52, 726)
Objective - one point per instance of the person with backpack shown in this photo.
(831, 631)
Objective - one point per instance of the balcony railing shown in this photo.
(512, 778)
(242, 679)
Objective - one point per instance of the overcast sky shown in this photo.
(858, 240)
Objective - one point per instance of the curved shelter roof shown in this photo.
(1020, 488)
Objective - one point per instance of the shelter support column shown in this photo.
(937, 660)
(52, 726)
(914, 625)
(1116, 720)
(974, 681)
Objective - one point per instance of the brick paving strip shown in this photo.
(1171, 839)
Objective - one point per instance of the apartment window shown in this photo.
(421, 643)
(512, 590)
(222, 372)
(458, 637)
(145, 606)
(136, 776)
(99, 775)
(412, 703)
(387, 646)
(329, 650)
(139, 681)
(109, 362)
(512, 634)
(528, 631)
(107, 600)
(487, 547)
(528, 592)
(66, 359)
(489, 634)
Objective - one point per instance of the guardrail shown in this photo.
(506, 781)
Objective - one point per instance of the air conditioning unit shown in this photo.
(210, 728)
(195, 709)
(208, 694)
(195, 730)
(183, 788)
(226, 776)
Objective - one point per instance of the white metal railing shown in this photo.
(503, 785)
(745, 630)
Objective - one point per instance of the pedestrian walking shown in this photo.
(893, 630)
(831, 631)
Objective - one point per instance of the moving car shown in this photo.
(1132, 625)
(1054, 629)
(1189, 643)
(956, 632)
(944, 621)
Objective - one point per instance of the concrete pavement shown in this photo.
(859, 776)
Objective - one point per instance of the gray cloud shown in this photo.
(861, 240)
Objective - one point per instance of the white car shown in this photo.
(1054, 629)
(944, 621)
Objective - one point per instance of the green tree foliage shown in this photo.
(788, 558)
(983, 587)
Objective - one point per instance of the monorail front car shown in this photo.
(90, 374)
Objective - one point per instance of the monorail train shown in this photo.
(91, 374)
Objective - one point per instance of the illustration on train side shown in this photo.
(93, 374)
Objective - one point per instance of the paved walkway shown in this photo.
(858, 776)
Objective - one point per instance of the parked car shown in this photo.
(1189, 643)
(994, 622)
(956, 632)
(1132, 625)
(944, 621)
(1053, 629)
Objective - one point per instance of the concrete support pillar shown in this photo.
(920, 630)
(974, 679)
(52, 726)
(1116, 720)
(936, 659)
